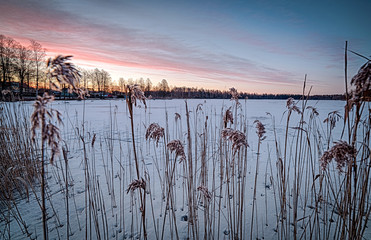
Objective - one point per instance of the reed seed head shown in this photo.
(326, 159)
(260, 130)
(65, 72)
(155, 132)
(332, 118)
(362, 81)
(135, 184)
(228, 117)
(49, 132)
(177, 116)
(136, 94)
(199, 107)
(41, 111)
(234, 94)
(314, 111)
(177, 146)
(237, 138)
(291, 105)
(342, 152)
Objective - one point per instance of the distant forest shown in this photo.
(23, 76)
(183, 92)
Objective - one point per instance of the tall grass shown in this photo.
(19, 166)
(203, 182)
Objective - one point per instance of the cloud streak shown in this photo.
(122, 46)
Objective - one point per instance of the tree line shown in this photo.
(21, 63)
(186, 92)
(23, 71)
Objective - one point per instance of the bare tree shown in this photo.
(7, 53)
(101, 79)
(96, 79)
(130, 82)
(140, 83)
(38, 57)
(106, 80)
(122, 85)
(148, 86)
(43, 78)
(22, 64)
(86, 77)
(163, 87)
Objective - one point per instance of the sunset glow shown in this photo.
(260, 46)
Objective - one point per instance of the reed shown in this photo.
(204, 182)
(135, 94)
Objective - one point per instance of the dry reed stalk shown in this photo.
(50, 135)
(291, 107)
(17, 152)
(221, 174)
(234, 97)
(65, 73)
(350, 195)
(152, 207)
(155, 132)
(177, 147)
(64, 149)
(260, 131)
(238, 140)
(190, 188)
(346, 90)
(135, 94)
(347, 187)
(203, 181)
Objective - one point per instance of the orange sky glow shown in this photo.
(213, 45)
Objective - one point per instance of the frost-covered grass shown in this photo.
(222, 189)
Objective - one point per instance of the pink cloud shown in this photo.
(61, 33)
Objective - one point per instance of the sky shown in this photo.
(265, 46)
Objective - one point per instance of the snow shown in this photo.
(111, 164)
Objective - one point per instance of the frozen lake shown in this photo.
(100, 172)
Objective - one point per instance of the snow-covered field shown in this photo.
(100, 173)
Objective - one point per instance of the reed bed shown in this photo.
(198, 171)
